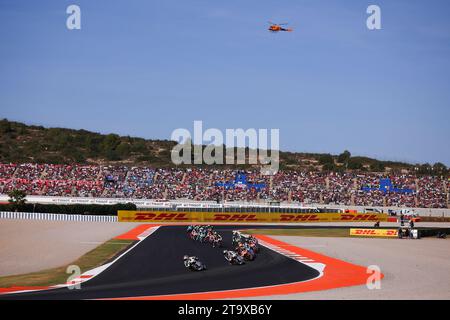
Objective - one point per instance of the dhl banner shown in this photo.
(178, 216)
(374, 232)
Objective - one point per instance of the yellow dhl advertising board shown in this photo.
(242, 217)
(374, 232)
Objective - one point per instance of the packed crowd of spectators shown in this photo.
(203, 184)
(432, 192)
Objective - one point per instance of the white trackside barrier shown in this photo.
(150, 203)
(56, 217)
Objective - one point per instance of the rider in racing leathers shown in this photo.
(230, 255)
(236, 237)
(216, 240)
(188, 261)
(202, 234)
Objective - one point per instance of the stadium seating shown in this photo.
(208, 185)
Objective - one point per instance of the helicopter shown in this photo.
(277, 27)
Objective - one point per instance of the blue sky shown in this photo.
(145, 68)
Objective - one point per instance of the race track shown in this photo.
(155, 267)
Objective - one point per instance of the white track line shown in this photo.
(295, 256)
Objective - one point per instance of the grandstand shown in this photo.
(198, 184)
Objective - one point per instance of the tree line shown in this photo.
(21, 143)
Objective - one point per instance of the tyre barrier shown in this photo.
(56, 217)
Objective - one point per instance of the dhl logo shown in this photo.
(365, 232)
(374, 232)
(296, 217)
(171, 216)
(235, 217)
(161, 216)
(359, 217)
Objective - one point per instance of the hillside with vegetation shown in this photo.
(21, 143)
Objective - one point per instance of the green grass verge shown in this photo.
(325, 232)
(90, 260)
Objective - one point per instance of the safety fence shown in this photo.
(56, 217)
(142, 203)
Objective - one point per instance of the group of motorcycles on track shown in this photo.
(245, 247)
(205, 234)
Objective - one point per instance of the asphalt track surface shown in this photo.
(155, 267)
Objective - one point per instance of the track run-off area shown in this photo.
(153, 269)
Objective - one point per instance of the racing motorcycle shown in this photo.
(216, 240)
(236, 237)
(193, 264)
(254, 245)
(233, 258)
(246, 252)
(246, 239)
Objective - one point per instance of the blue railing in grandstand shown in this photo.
(241, 181)
(387, 186)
